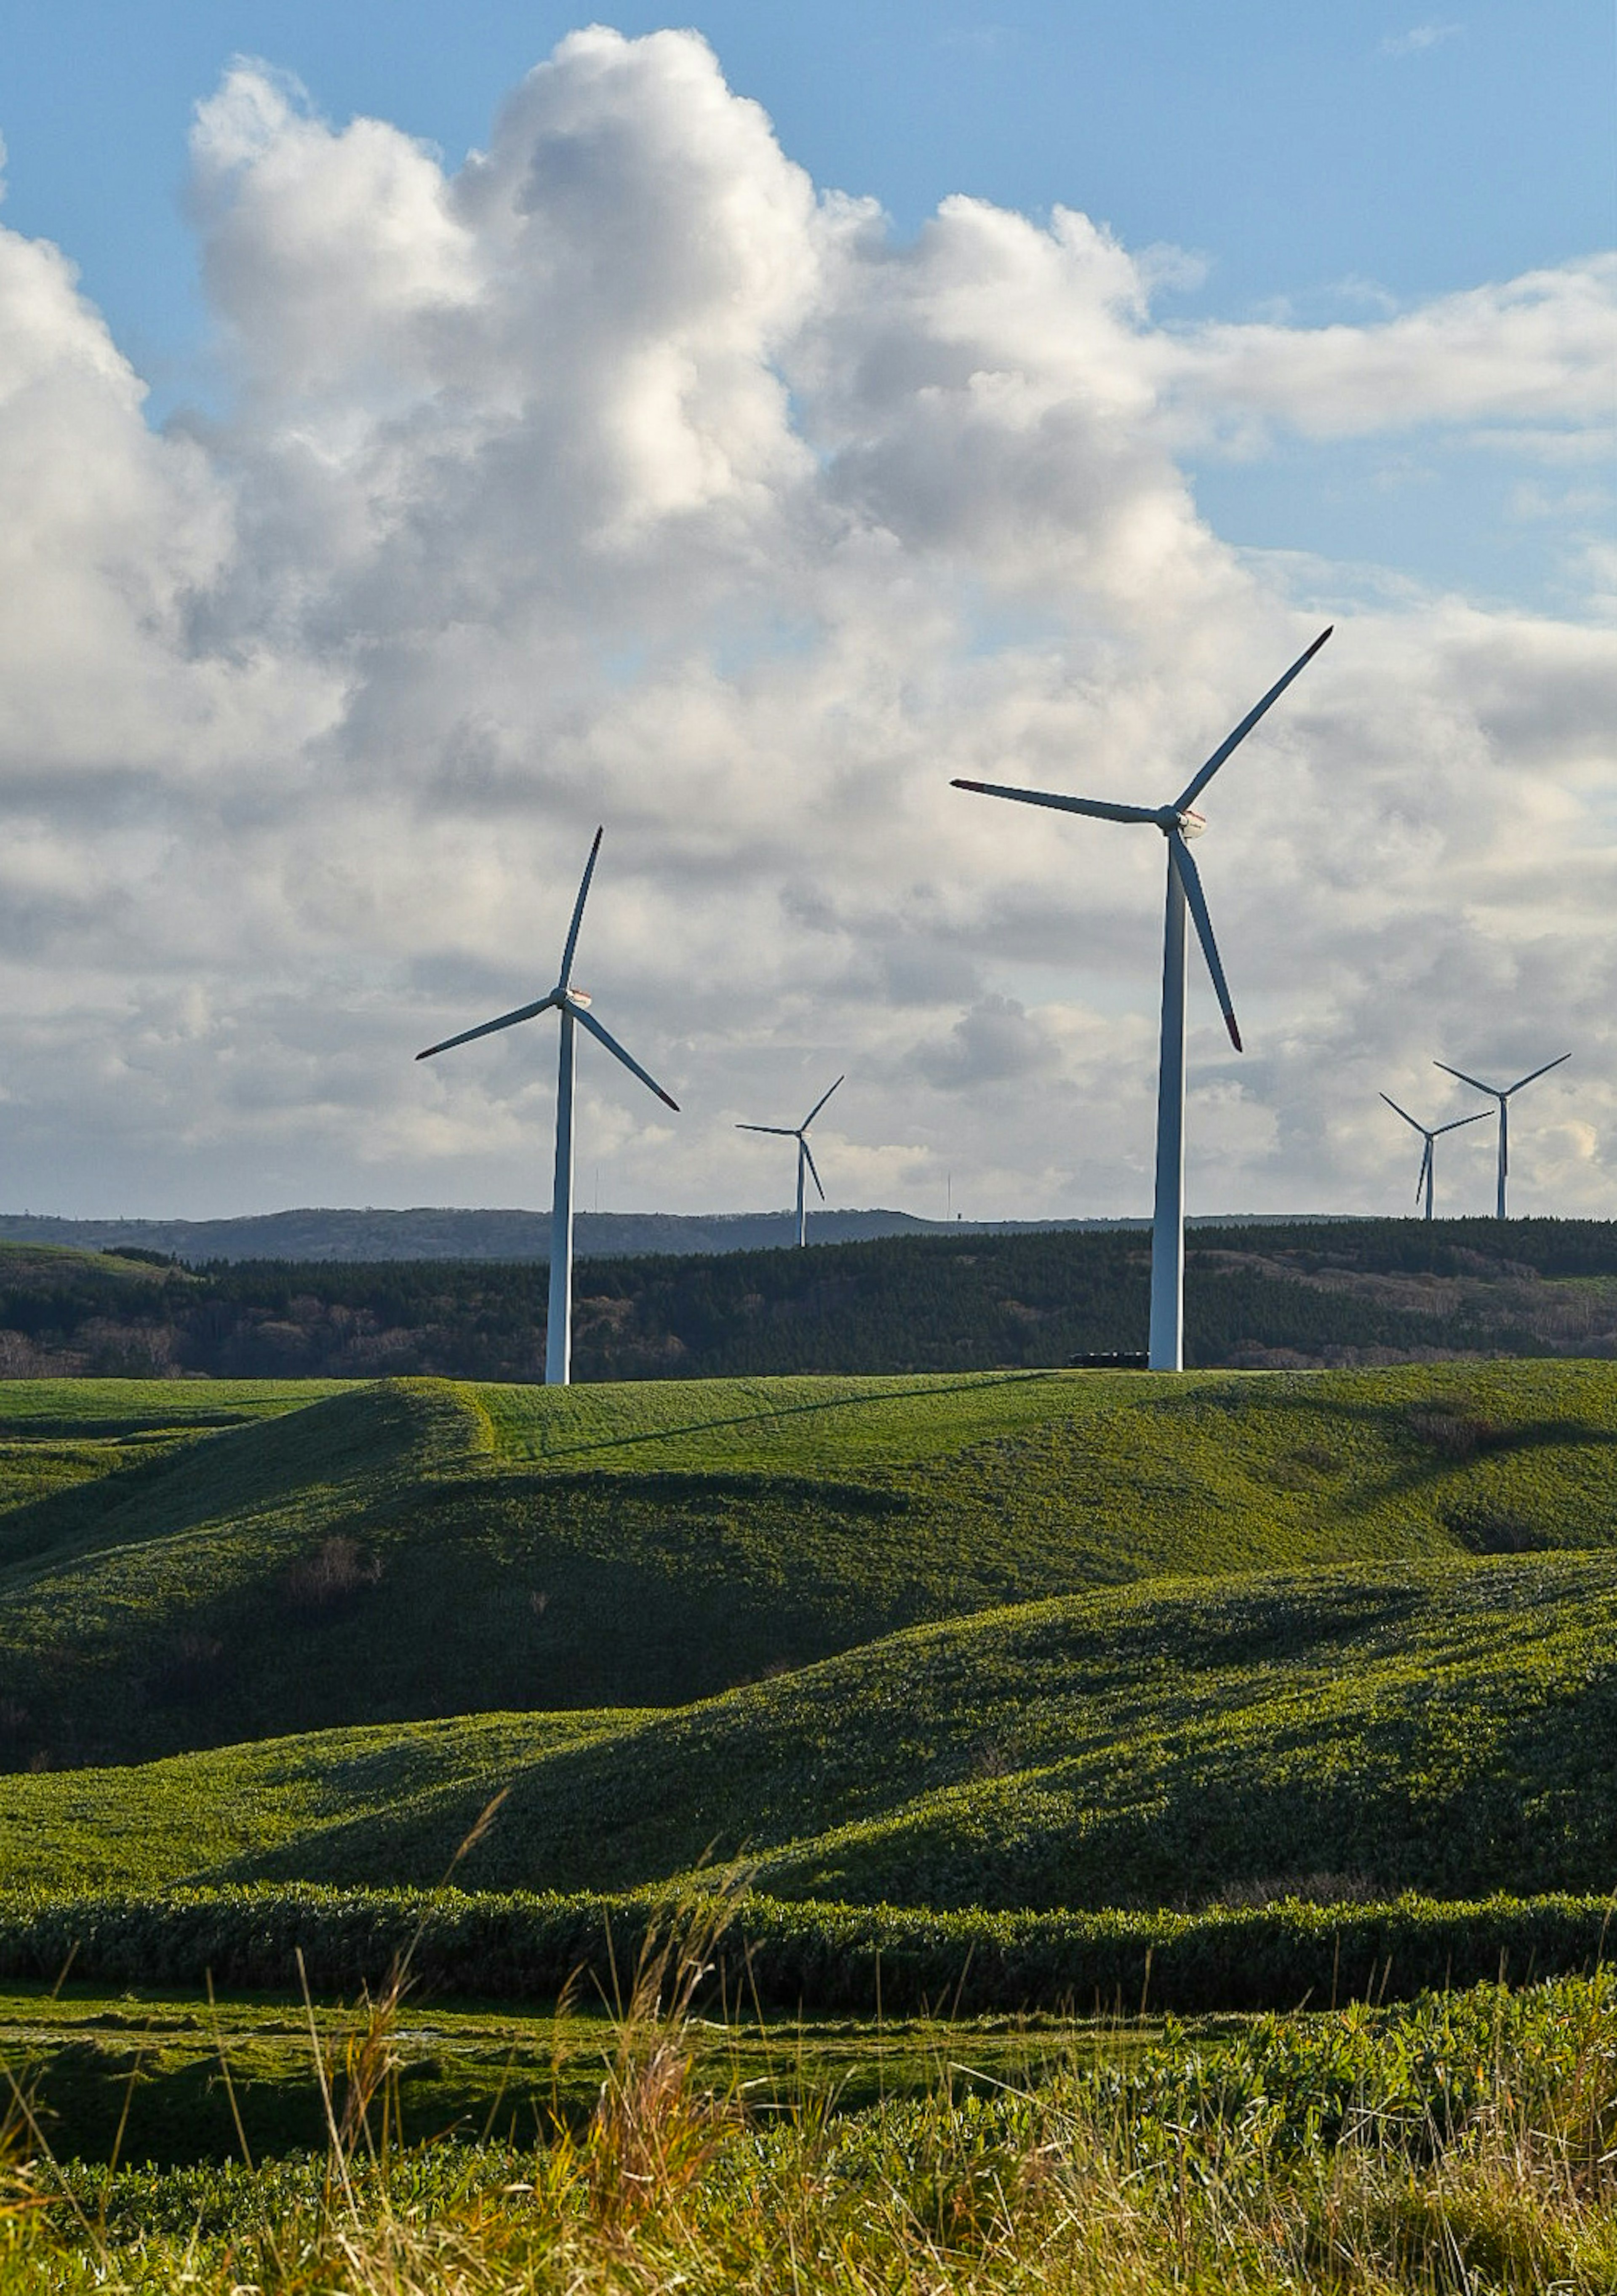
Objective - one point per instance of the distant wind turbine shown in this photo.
(1429, 1133)
(1501, 1093)
(804, 1154)
(1178, 824)
(573, 1005)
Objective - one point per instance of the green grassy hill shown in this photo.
(1449, 1726)
(419, 1549)
(58, 1433)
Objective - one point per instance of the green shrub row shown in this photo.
(860, 1959)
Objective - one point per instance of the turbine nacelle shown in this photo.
(1429, 1133)
(804, 1154)
(564, 999)
(1180, 823)
(1500, 1093)
(573, 1005)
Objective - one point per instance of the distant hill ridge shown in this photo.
(429, 1232)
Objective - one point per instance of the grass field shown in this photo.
(1458, 2144)
(57, 1434)
(420, 1549)
(1447, 1726)
(469, 2072)
(798, 1426)
(114, 1407)
(1239, 1439)
(997, 1655)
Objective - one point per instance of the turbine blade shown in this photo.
(565, 981)
(1537, 1072)
(1425, 1168)
(818, 1104)
(1190, 878)
(780, 1131)
(1404, 1113)
(1097, 807)
(588, 1020)
(1492, 1090)
(809, 1154)
(505, 1020)
(1460, 1122)
(1192, 789)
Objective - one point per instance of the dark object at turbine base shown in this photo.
(1112, 1362)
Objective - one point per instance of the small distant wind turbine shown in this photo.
(1178, 824)
(1429, 1133)
(1501, 1093)
(804, 1154)
(573, 1005)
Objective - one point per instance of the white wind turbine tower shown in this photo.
(573, 1005)
(1178, 824)
(1429, 1133)
(804, 1154)
(1501, 1093)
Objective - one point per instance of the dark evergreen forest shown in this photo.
(1321, 1293)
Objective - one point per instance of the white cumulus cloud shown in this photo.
(623, 474)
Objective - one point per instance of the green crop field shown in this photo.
(980, 1698)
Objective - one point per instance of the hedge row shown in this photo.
(858, 1959)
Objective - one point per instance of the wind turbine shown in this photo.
(804, 1154)
(1178, 824)
(573, 1005)
(1501, 1093)
(1429, 1133)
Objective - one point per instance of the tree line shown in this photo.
(1319, 1292)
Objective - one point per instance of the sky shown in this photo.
(426, 434)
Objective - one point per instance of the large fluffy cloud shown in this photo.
(622, 475)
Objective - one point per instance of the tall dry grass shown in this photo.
(1483, 2161)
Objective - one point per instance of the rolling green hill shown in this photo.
(1449, 1726)
(419, 1549)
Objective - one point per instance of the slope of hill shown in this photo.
(419, 1549)
(1448, 1726)
(57, 1435)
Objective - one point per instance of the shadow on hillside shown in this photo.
(242, 1468)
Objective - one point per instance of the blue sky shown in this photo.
(1324, 163)
(1306, 152)
(373, 524)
